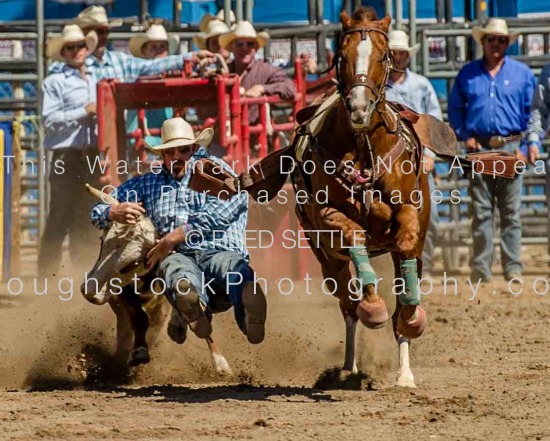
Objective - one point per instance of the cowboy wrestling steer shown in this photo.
(120, 265)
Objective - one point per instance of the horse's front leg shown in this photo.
(221, 366)
(412, 320)
(336, 274)
(371, 309)
(349, 357)
(405, 377)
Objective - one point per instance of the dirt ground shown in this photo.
(482, 370)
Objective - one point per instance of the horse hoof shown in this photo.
(221, 366)
(139, 356)
(373, 315)
(415, 326)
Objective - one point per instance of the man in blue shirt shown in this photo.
(202, 254)
(489, 108)
(69, 119)
(416, 92)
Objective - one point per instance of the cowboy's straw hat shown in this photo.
(214, 28)
(96, 16)
(156, 32)
(70, 34)
(220, 16)
(495, 26)
(244, 29)
(399, 41)
(176, 132)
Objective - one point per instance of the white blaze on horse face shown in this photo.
(359, 103)
(364, 51)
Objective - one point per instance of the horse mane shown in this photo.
(364, 13)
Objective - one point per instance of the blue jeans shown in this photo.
(216, 275)
(507, 192)
(431, 235)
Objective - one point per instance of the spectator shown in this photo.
(257, 77)
(68, 115)
(210, 39)
(538, 127)
(488, 109)
(416, 92)
(153, 44)
(104, 63)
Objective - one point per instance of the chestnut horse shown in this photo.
(369, 162)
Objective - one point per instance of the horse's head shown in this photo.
(364, 64)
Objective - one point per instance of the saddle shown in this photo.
(265, 177)
(268, 176)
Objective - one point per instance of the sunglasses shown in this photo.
(245, 43)
(500, 40)
(182, 150)
(77, 46)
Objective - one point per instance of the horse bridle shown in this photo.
(362, 79)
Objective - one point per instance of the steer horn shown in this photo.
(104, 197)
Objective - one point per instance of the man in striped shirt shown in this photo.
(202, 254)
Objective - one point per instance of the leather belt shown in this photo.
(497, 141)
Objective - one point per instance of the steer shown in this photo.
(121, 261)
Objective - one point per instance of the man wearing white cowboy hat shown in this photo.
(154, 43)
(489, 109)
(68, 116)
(202, 246)
(257, 78)
(209, 39)
(416, 92)
(113, 64)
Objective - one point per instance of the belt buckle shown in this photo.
(496, 142)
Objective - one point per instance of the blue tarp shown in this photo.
(264, 10)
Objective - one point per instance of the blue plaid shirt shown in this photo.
(124, 67)
(209, 222)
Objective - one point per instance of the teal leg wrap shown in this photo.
(409, 274)
(365, 272)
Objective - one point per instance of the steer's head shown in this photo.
(121, 258)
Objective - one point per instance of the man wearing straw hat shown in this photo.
(257, 78)
(113, 64)
(68, 116)
(416, 92)
(152, 44)
(489, 109)
(202, 252)
(209, 39)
